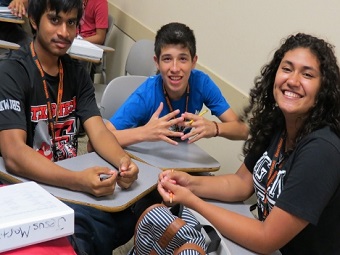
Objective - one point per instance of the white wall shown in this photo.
(236, 37)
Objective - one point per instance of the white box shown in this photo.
(85, 48)
(29, 214)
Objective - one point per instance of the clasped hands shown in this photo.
(91, 183)
(173, 186)
(168, 127)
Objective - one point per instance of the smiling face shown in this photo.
(175, 65)
(297, 83)
(55, 33)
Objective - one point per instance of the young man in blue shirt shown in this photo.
(161, 108)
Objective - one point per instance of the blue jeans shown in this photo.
(98, 233)
(5, 2)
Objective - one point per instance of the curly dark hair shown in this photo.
(265, 118)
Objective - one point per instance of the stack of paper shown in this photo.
(29, 215)
(6, 13)
(4, 10)
(85, 48)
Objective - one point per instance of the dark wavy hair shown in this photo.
(265, 118)
(36, 8)
(175, 33)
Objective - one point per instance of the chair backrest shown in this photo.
(117, 91)
(107, 42)
(109, 32)
(140, 59)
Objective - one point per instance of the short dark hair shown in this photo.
(175, 33)
(36, 8)
(265, 118)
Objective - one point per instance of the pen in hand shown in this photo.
(200, 114)
(192, 121)
(171, 195)
(103, 177)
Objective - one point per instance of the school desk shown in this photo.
(84, 56)
(9, 45)
(4, 17)
(182, 157)
(120, 200)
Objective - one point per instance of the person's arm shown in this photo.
(229, 187)
(156, 129)
(22, 160)
(107, 146)
(262, 237)
(98, 38)
(18, 7)
(101, 17)
(230, 127)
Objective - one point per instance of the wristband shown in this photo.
(217, 129)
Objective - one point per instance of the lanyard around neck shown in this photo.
(276, 163)
(48, 98)
(167, 98)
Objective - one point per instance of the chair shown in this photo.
(140, 59)
(101, 68)
(117, 91)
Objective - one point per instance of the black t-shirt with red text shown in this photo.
(23, 102)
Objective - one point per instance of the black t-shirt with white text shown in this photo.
(307, 186)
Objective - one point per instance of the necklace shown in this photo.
(277, 162)
(175, 127)
(51, 120)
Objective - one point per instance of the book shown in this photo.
(29, 215)
(85, 48)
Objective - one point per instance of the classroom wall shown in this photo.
(235, 38)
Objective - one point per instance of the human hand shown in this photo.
(159, 128)
(128, 172)
(18, 7)
(173, 187)
(90, 181)
(200, 127)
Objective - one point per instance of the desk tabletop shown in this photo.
(85, 58)
(105, 48)
(9, 45)
(182, 157)
(11, 19)
(120, 200)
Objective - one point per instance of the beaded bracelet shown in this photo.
(217, 129)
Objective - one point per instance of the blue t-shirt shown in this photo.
(144, 101)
